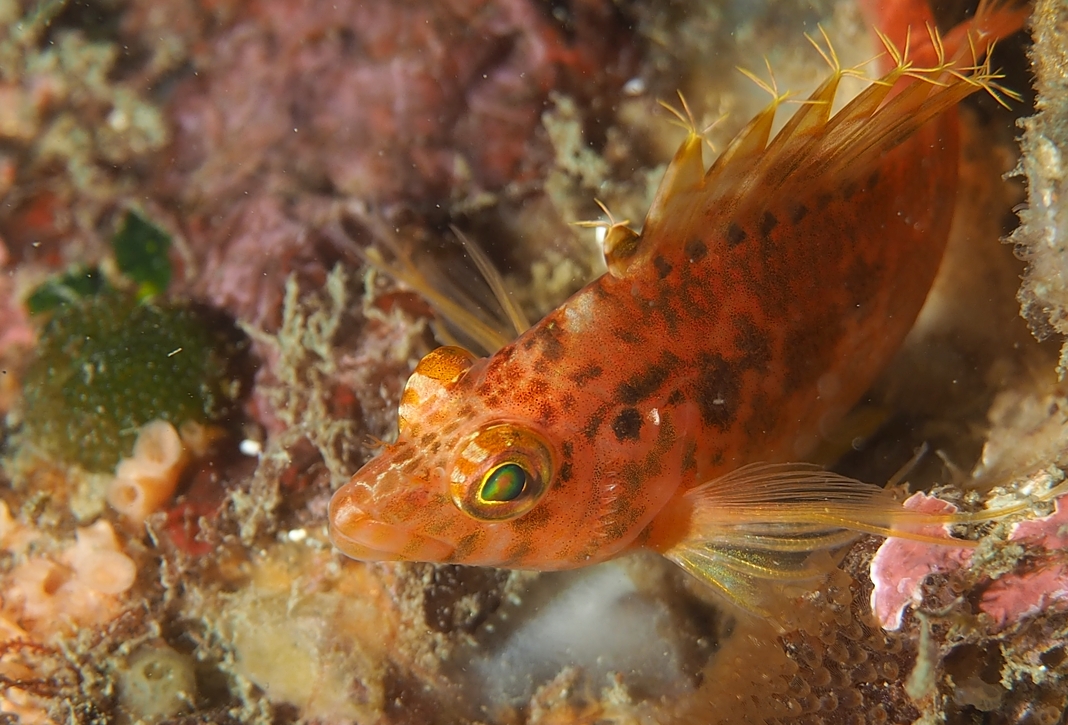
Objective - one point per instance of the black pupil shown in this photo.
(504, 483)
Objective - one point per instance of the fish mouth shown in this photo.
(359, 535)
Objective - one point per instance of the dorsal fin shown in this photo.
(813, 147)
(685, 174)
(620, 241)
(482, 327)
(751, 142)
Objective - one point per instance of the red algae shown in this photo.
(383, 101)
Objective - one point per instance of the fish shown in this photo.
(665, 405)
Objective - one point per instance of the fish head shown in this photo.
(457, 484)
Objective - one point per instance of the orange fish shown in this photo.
(655, 408)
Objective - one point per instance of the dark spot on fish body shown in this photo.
(622, 519)
(873, 179)
(716, 390)
(675, 398)
(753, 344)
(537, 518)
(593, 423)
(584, 375)
(689, 456)
(439, 527)
(799, 213)
(663, 267)
(565, 473)
(768, 222)
(516, 553)
(735, 235)
(628, 425)
(849, 190)
(823, 200)
(552, 348)
(628, 336)
(695, 295)
(695, 250)
(632, 475)
(567, 401)
(534, 393)
(499, 372)
(567, 449)
(666, 308)
(466, 546)
(642, 385)
(403, 455)
(546, 414)
(598, 290)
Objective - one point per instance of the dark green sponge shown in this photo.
(108, 364)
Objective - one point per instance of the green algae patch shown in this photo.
(65, 289)
(141, 254)
(108, 364)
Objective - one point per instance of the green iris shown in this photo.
(504, 483)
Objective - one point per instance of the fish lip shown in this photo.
(360, 535)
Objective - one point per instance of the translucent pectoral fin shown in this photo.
(754, 529)
(752, 578)
(764, 525)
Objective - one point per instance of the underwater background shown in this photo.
(193, 358)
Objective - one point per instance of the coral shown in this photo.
(78, 122)
(157, 683)
(900, 566)
(107, 365)
(1040, 584)
(147, 480)
(80, 587)
(383, 101)
(307, 632)
(14, 536)
(1040, 239)
(1024, 560)
(426, 105)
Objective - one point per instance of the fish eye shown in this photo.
(503, 483)
(501, 472)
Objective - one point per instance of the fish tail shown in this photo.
(763, 525)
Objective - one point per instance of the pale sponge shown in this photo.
(157, 683)
(81, 588)
(144, 483)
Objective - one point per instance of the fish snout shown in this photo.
(359, 535)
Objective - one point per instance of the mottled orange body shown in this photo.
(759, 301)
